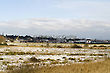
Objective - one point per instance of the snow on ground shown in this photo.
(64, 55)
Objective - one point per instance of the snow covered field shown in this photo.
(16, 56)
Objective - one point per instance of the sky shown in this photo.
(82, 18)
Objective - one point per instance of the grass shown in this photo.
(18, 53)
(61, 45)
(74, 68)
(96, 67)
(98, 54)
(3, 44)
(81, 54)
(47, 53)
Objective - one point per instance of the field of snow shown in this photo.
(11, 57)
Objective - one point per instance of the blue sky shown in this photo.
(78, 9)
(54, 16)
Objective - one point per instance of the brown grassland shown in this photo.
(94, 67)
(89, 67)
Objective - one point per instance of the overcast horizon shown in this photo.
(81, 18)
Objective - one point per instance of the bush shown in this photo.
(64, 57)
(71, 58)
(59, 46)
(91, 47)
(33, 59)
(54, 46)
(86, 60)
(11, 67)
(65, 61)
(102, 46)
(76, 46)
(86, 45)
(1, 58)
(19, 53)
(94, 46)
(47, 45)
(55, 62)
(20, 59)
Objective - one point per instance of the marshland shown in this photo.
(40, 58)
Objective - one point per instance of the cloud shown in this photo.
(81, 27)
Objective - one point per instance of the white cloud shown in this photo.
(54, 25)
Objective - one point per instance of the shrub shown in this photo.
(19, 53)
(94, 46)
(50, 59)
(91, 47)
(65, 61)
(77, 54)
(1, 58)
(86, 45)
(33, 59)
(79, 60)
(42, 45)
(55, 62)
(11, 67)
(5, 62)
(71, 58)
(98, 54)
(102, 46)
(86, 60)
(54, 46)
(20, 58)
(76, 46)
(47, 45)
(64, 57)
(59, 46)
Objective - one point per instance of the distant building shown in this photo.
(52, 39)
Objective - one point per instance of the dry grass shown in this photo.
(60, 45)
(97, 67)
